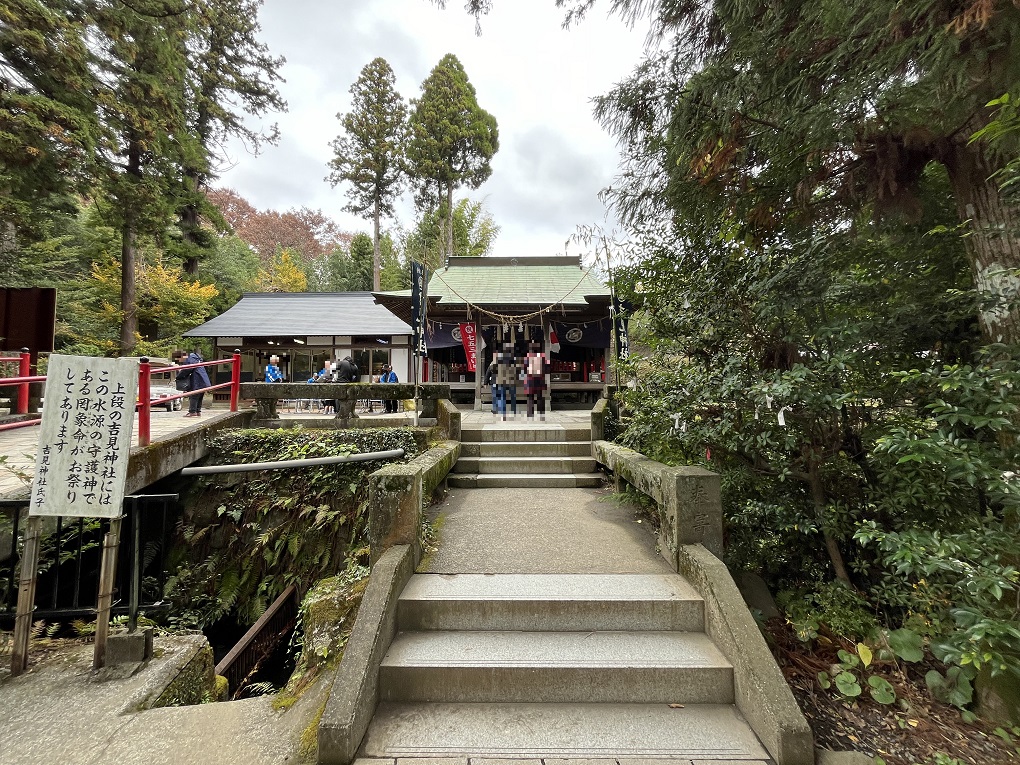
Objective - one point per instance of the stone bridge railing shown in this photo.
(346, 395)
(691, 540)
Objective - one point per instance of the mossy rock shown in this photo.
(328, 612)
(194, 684)
(221, 689)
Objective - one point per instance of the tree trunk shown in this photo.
(994, 241)
(449, 222)
(128, 304)
(820, 502)
(376, 256)
(188, 222)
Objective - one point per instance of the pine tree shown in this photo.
(452, 142)
(369, 153)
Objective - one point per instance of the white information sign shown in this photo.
(85, 436)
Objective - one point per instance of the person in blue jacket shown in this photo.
(389, 376)
(273, 373)
(199, 379)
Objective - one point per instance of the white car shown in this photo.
(161, 391)
(163, 383)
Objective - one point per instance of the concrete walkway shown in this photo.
(502, 552)
(540, 531)
(62, 712)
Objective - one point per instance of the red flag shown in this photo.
(469, 340)
(554, 341)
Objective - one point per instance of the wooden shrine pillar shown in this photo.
(479, 366)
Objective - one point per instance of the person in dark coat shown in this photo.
(490, 380)
(347, 371)
(199, 379)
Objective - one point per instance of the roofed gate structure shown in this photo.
(515, 300)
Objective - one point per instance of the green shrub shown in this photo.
(245, 537)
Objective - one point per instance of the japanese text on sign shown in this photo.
(85, 438)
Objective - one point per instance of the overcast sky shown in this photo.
(534, 77)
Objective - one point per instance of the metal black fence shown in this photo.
(68, 585)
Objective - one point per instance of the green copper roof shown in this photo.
(515, 281)
(508, 285)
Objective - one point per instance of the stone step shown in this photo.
(526, 465)
(556, 667)
(525, 432)
(523, 481)
(526, 449)
(546, 602)
(635, 732)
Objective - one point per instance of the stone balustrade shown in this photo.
(346, 395)
(689, 498)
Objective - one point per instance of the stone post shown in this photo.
(395, 504)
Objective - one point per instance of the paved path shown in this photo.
(59, 712)
(540, 531)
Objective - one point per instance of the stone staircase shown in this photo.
(556, 666)
(517, 454)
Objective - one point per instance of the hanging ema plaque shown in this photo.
(85, 436)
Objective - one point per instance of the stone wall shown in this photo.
(398, 493)
(689, 498)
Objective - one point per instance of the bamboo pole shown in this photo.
(107, 579)
(26, 595)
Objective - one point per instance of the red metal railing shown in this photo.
(23, 380)
(145, 372)
(144, 405)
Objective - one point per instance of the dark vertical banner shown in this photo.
(621, 316)
(419, 295)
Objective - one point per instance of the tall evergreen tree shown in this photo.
(49, 126)
(369, 153)
(229, 73)
(452, 141)
(786, 114)
(140, 54)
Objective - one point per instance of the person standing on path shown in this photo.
(326, 375)
(490, 380)
(389, 376)
(535, 368)
(506, 380)
(198, 379)
(346, 372)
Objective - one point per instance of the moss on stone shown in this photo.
(309, 745)
(194, 684)
(221, 688)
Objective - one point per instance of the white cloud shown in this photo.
(536, 78)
